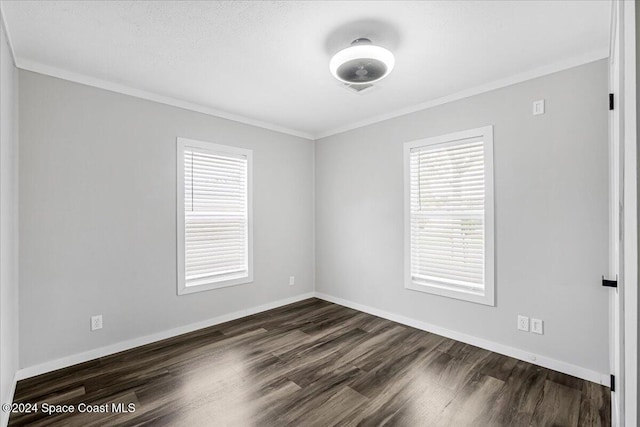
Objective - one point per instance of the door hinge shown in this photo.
(610, 283)
(613, 382)
(610, 101)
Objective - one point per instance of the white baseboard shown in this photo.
(533, 358)
(536, 359)
(74, 359)
(4, 415)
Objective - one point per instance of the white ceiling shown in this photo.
(267, 62)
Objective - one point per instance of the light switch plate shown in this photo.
(538, 107)
(537, 326)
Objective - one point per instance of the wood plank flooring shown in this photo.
(314, 363)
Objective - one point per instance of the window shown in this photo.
(449, 215)
(214, 216)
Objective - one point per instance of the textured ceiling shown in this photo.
(268, 61)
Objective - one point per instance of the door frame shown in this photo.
(624, 212)
(616, 240)
(630, 215)
(624, 14)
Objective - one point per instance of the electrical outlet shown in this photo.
(536, 326)
(292, 280)
(96, 322)
(523, 323)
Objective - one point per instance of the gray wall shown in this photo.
(8, 223)
(551, 193)
(98, 217)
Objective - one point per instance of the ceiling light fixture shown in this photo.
(361, 63)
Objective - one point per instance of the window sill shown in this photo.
(183, 290)
(450, 292)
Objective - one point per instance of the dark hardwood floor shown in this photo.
(314, 363)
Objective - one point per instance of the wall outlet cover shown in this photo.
(523, 323)
(292, 280)
(96, 322)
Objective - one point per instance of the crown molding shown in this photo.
(138, 93)
(84, 79)
(496, 84)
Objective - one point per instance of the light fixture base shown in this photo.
(361, 41)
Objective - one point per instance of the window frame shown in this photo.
(487, 297)
(224, 150)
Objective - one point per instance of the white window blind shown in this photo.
(447, 214)
(216, 216)
(449, 227)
